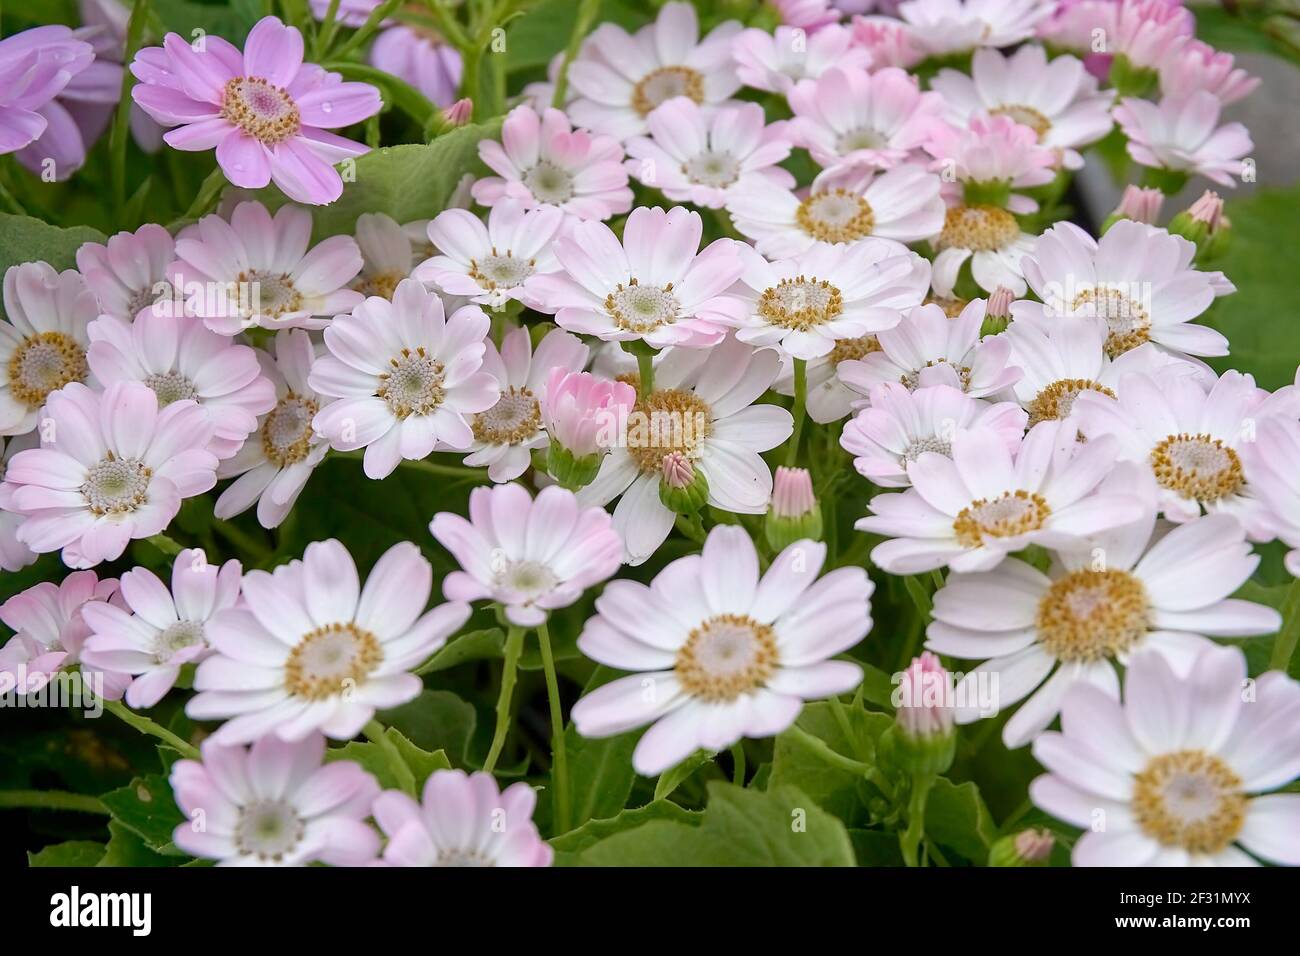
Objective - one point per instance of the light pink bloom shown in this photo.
(272, 466)
(36, 66)
(901, 425)
(620, 79)
(256, 270)
(506, 434)
(274, 804)
(311, 650)
(128, 273)
(809, 15)
(406, 378)
(925, 695)
(390, 252)
(1183, 134)
(43, 344)
(112, 466)
(1198, 66)
(579, 407)
(432, 67)
(350, 13)
(887, 41)
(265, 111)
(1182, 769)
(855, 118)
(464, 820)
(775, 61)
(1140, 204)
(719, 652)
(792, 493)
(105, 25)
(992, 149)
(953, 26)
(1273, 459)
(543, 160)
(531, 557)
(14, 555)
(703, 157)
(655, 285)
(159, 630)
(489, 263)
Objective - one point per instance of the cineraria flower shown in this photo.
(274, 804)
(888, 42)
(128, 272)
(257, 270)
(806, 304)
(992, 155)
(775, 61)
(529, 556)
(1183, 134)
(265, 111)
(543, 161)
(1198, 66)
(811, 15)
(928, 348)
(900, 425)
(720, 652)
(390, 252)
(987, 236)
(1042, 634)
(310, 650)
(953, 26)
(902, 204)
(580, 412)
(36, 66)
(620, 79)
(158, 631)
(180, 358)
(1190, 437)
(971, 510)
(405, 377)
(654, 285)
(701, 409)
(43, 345)
(1138, 278)
(489, 263)
(112, 466)
(1273, 459)
(50, 635)
(1057, 99)
(14, 555)
(464, 820)
(1178, 767)
(273, 465)
(1146, 33)
(423, 60)
(702, 157)
(852, 117)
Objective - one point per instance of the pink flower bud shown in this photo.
(792, 493)
(1034, 846)
(582, 413)
(1208, 209)
(924, 697)
(678, 470)
(1140, 204)
(459, 113)
(999, 303)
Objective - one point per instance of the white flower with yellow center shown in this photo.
(720, 652)
(389, 251)
(991, 239)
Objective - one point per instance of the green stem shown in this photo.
(242, 540)
(824, 751)
(1284, 644)
(800, 408)
(559, 761)
(846, 728)
(51, 800)
(363, 32)
(587, 10)
(325, 35)
(209, 194)
(509, 673)
(909, 841)
(152, 728)
(118, 135)
(7, 196)
(645, 367)
(738, 763)
(374, 732)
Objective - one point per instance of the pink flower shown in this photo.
(257, 270)
(1198, 66)
(311, 650)
(993, 150)
(464, 820)
(1273, 459)
(405, 377)
(809, 15)
(14, 555)
(274, 804)
(180, 358)
(36, 66)
(543, 160)
(953, 26)
(889, 42)
(792, 493)
(926, 696)
(702, 158)
(776, 61)
(159, 631)
(264, 110)
(128, 273)
(434, 68)
(350, 13)
(580, 407)
(112, 466)
(1184, 135)
(852, 117)
(1140, 204)
(654, 285)
(530, 556)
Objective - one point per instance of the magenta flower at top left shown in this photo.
(264, 110)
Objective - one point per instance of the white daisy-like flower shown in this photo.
(489, 263)
(1138, 278)
(43, 344)
(1042, 634)
(971, 510)
(390, 252)
(903, 204)
(775, 61)
(901, 425)
(990, 238)
(1183, 769)
(1182, 134)
(506, 434)
(405, 378)
(310, 649)
(14, 554)
(620, 78)
(953, 26)
(929, 348)
(720, 652)
(701, 409)
(128, 272)
(1273, 459)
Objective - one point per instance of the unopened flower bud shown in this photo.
(1032, 847)
(584, 416)
(926, 739)
(1204, 223)
(448, 118)
(1139, 203)
(997, 311)
(682, 487)
(794, 514)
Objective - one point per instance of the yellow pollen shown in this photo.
(913, 379)
(1013, 513)
(1092, 615)
(331, 660)
(665, 83)
(668, 420)
(800, 304)
(286, 432)
(413, 384)
(835, 215)
(1025, 116)
(1054, 402)
(846, 350)
(726, 656)
(382, 284)
(641, 308)
(1189, 799)
(514, 419)
(44, 363)
(951, 307)
(262, 110)
(979, 228)
(1127, 322)
(1197, 467)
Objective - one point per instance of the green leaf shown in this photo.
(24, 239)
(674, 777)
(147, 808)
(876, 848)
(835, 789)
(125, 848)
(778, 827)
(436, 720)
(71, 853)
(570, 845)
(535, 37)
(373, 758)
(231, 22)
(956, 817)
(487, 644)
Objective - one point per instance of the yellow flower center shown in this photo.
(726, 656)
(978, 228)
(800, 304)
(1025, 116)
(262, 110)
(642, 308)
(413, 384)
(665, 83)
(836, 215)
(668, 420)
(1189, 799)
(1055, 401)
(1127, 322)
(382, 284)
(1092, 615)
(514, 419)
(331, 660)
(286, 431)
(44, 363)
(1197, 467)
(1010, 514)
